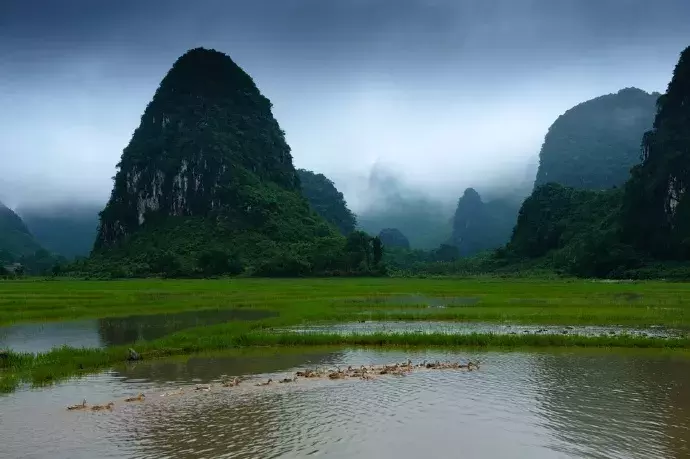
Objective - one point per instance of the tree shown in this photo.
(445, 252)
(358, 250)
(377, 250)
(656, 206)
(219, 262)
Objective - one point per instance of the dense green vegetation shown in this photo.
(480, 226)
(656, 206)
(68, 229)
(327, 201)
(594, 144)
(206, 186)
(577, 230)
(312, 301)
(639, 231)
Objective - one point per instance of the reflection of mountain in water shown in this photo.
(612, 405)
(677, 426)
(125, 330)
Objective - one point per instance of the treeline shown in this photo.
(358, 254)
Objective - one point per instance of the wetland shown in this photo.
(564, 371)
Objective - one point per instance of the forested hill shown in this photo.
(594, 144)
(327, 201)
(15, 238)
(656, 205)
(640, 230)
(479, 226)
(18, 245)
(207, 186)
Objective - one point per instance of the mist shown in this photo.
(441, 95)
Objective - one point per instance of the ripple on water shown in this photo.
(537, 405)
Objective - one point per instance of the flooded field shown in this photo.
(560, 404)
(111, 331)
(369, 327)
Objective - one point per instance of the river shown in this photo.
(551, 404)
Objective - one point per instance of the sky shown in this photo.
(438, 94)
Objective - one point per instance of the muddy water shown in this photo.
(114, 330)
(517, 405)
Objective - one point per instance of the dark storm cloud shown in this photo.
(447, 93)
(402, 32)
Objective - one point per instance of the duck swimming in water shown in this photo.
(232, 383)
(81, 406)
(138, 398)
(108, 406)
(265, 383)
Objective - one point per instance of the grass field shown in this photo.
(519, 301)
(308, 301)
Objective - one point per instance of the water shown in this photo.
(590, 404)
(115, 330)
(464, 328)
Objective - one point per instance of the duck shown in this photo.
(288, 380)
(232, 383)
(203, 387)
(265, 383)
(80, 406)
(174, 392)
(138, 398)
(307, 374)
(108, 406)
(336, 375)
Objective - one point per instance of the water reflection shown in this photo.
(536, 405)
(115, 330)
(604, 406)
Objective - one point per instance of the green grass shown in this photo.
(520, 301)
(310, 301)
(65, 362)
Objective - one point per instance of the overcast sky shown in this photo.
(443, 94)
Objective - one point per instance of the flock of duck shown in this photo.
(363, 372)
